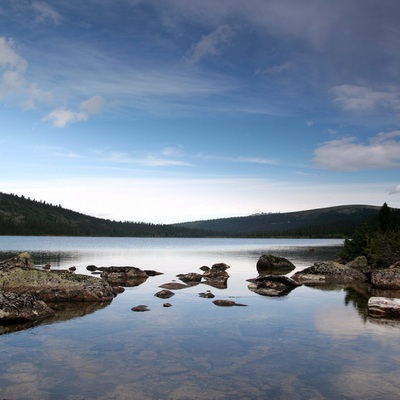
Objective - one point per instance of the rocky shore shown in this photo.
(31, 295)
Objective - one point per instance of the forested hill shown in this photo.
(337, 221)
(22, 216)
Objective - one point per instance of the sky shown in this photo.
(167, 111)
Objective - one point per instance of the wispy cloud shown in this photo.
(239, 159)
(149, 160)
(360, 98)
(348, 154)
(210, 45)
(61, 117)
(45, 12)
(395, 190)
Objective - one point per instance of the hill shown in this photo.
(22, 216)
(337, 221)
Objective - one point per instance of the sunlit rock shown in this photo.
(384, 307)
(272, 285)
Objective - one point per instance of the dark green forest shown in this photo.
(23, 216)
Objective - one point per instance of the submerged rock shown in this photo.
(19, 307)
(269, 264)
(207, 295)
(329, 272)
(140, 308)
(273, 285)
(174, 286)
(228, 303)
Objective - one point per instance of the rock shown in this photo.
(204, 268)
(269, 264)
(174, 286)
(383, 307)
(207, 295)
(329, 272)
(72, 269)
(360, 263)
(273, 285)
(167, 305)
(21, 260)
(19, 307)
(140, 308)
(124, 276)
(190, 277)
(228, 303)
(388, 278)
(91, 268)
(217, 276)
(55, 285)
(164, 294)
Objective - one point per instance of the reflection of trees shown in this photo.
(358, 296)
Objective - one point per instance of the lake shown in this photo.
(314, 343)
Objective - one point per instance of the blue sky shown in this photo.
(169, 111)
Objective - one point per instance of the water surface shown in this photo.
(311, 344)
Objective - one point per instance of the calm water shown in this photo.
(312, 344)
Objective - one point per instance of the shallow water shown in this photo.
(311, 344)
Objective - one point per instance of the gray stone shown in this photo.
(269, 264)
(388, 278)
(384, 307)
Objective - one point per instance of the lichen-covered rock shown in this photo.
(124, 276)
(329, 272)
(18, 308)
(388, 278)
(269, 264)
(272, 285)
(360, 263)
(55, 285)
(21, 260)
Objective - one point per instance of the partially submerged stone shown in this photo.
(140, 308)
(384, 307)
(124, 276)
(164, 294)
(19, 308)
(269, 264)
(207, 295)
(190, 277)
(217, 276)
(55, 285)
(272, 285)
(228, 303)
(329, 272)
(174, 286)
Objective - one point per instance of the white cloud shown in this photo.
(150, 160)
(360, 98)
(210, 44)
(45, 12)
(92, 105)
(61, 117)
(395, 190)
(381, 152)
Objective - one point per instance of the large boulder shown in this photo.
(54, 285)
(383, 307)
(19, 308)
(269, 264)
(329, 272)
(388, 278)
(272, 285)
(124, 276)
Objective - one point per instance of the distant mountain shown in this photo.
(23, 216)
(337, 221)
